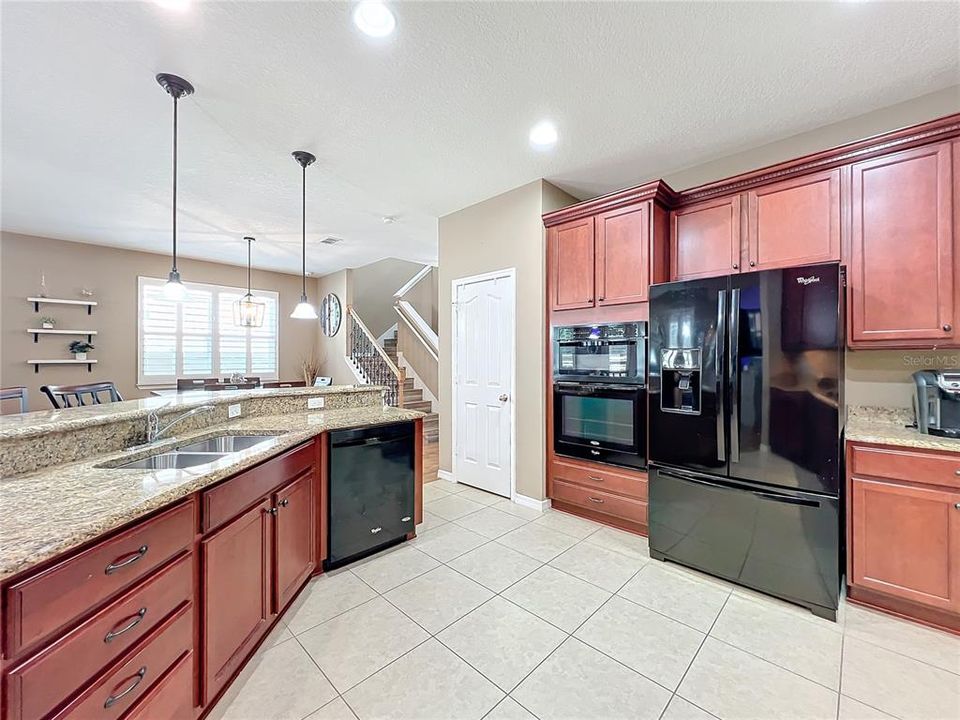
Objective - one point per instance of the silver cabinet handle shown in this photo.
(594, 478)
(957, 506)
(114, 566)
(114, 699)
(594, 452)
(272, 511)
(599, 501)
(284, 502)
(126, 628)
(956, 472)
(374, 531)
(948, 327)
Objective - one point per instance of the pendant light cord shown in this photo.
(174, 183)
(249, 243)
(303, 230)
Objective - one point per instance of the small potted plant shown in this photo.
(47, 322)
(80, 348)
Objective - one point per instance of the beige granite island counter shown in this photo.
(891, 426)
(67, 501)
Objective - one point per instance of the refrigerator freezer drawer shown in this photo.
(784, 543)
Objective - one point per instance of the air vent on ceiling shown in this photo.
(332, 241)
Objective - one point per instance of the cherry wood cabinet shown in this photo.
(623, 255)
(572, 252)
(705, 239)
(903, 531)
(794, 222)
(295, 537)
(903, 256)
(237, 570)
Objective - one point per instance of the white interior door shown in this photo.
(483, 383)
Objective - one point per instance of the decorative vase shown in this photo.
(80, 356)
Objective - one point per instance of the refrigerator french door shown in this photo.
(745, 385)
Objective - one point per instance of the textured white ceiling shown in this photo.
(421, 124)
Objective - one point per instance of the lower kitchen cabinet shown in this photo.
(295, 544)
(237, 563)
(612, 495)
(903, 520)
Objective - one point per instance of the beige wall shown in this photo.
(373, 289)
(503, 232)
(332, 351)
(912, 112)
(112, 274)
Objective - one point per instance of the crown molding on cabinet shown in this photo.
(656, 190)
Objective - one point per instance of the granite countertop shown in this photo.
(50, 511)
(44, 421)
(888, 426)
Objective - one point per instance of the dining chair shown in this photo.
(15, 393)
(60, 396)
(284, 384)
(194, 383)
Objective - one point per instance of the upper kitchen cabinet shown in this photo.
(705, 239)
(623, 255)
(903, 262)
(572, 251)
(794, 222)
(607, 251)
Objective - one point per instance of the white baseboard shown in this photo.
(530, 502)
(445, 475)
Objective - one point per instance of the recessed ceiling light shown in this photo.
(374, 19)
(543, 135)
(174, 5)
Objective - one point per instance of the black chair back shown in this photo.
(15, 393)
(64, 396)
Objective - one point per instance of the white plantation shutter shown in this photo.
(197, 337)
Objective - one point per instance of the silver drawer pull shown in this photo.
(374, 531)
(114, 566)
(594, 478)
(957, 506)
(956, 472)
(114, 699)
(599, 501)
(130, 626)
(594, 452)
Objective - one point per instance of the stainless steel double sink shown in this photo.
(200, 452)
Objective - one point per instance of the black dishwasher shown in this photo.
(371, 490)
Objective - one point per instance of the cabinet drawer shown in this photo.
(171, 698)
(599, 501)
(232, 497)
(907, 465)
(52, 598)
(601, 479)
(118, 689)
(44, 681)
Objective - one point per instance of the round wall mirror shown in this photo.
(330, 314)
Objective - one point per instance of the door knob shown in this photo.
(504, 397)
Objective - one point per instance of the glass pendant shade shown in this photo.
(248, 311)
(304, 310)
(173, 289)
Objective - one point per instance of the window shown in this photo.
(197, 338)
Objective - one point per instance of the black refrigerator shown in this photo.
(745, 430)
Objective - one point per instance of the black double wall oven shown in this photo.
(599, 393)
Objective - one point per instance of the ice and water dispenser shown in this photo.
(680, 378)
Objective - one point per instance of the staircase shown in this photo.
(413, 398)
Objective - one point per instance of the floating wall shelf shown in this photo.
(38, 301)
(37, 332)
(37, 363)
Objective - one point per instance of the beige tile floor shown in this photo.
(501, 612)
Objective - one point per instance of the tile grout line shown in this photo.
(694, 658)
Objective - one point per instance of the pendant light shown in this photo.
(177, 88)
(304, 310)
(248, 311)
